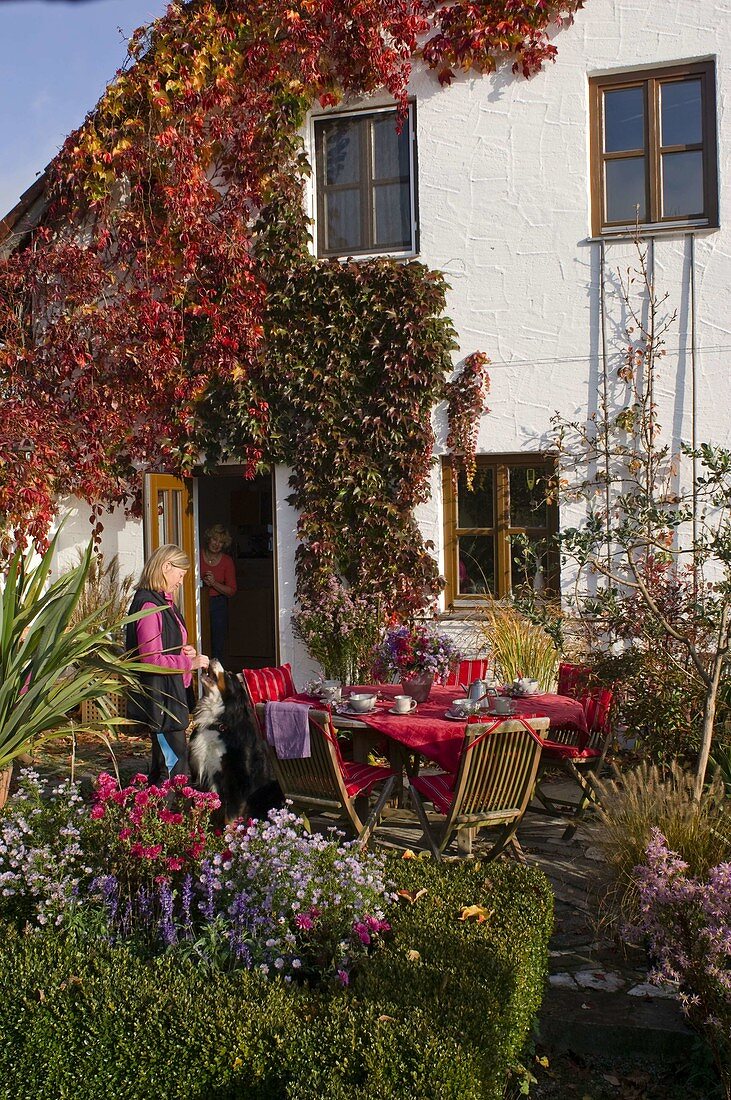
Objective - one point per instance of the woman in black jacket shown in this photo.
(160, 638)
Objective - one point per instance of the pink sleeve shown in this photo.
(229, 573)
(149, 643)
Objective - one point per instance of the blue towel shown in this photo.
(287, 729)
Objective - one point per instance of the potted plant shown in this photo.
(340, 630)
(417, 654)
(49, 664)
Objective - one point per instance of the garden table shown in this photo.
(426, 732)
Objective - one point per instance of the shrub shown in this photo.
(645, 797)
(441, 1012)
(687, 923)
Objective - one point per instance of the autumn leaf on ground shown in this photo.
(411, 895)
(409, 854)
(475, 912)
(413, 956)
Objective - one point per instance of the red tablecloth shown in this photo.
(427, 732)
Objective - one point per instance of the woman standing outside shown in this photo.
(219, 578)
(161, 639)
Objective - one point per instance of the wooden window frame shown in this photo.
(501, 529)
(651, 80)
(367, 185)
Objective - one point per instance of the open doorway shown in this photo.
(245, 509)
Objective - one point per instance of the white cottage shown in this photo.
(525, 193)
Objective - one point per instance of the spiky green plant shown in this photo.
(50, 663)
(519, 647)
(630, 804)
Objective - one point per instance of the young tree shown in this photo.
(656, 543)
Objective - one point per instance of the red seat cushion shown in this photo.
(466, 672)
(572, 679)
(361, 778)
(554, 750)
(269, 685)
(438, 789)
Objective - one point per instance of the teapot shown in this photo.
(478, 689)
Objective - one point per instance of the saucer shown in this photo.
(455, 717)
(401, 713)
(348, 712)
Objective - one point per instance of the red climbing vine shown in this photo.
(137, 322)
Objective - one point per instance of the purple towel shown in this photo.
(287, 729)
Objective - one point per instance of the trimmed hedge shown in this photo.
(441, 1012)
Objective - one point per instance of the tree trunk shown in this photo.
(709, 704)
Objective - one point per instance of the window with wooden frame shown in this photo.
(500, 534)
(365, 181)
(653, 149)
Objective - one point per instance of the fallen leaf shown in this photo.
(478, 912)
(411, 895)
(413, 956)
(543, 1061)
(409, 854)
(386, 1019)
(611, 1079)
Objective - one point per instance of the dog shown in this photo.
(226, 754)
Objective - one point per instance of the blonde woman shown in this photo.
(218, 573)
(162, 639)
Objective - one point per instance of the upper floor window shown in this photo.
(654, 148)
(500, 534)
(365, 184)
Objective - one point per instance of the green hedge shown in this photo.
(83, 1022)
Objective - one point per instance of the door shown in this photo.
(169, 517)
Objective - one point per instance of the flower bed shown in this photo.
(441, 1011)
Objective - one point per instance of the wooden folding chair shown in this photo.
(492, 787)
(263, 685)
(466, 672)
(324, 781)
(580, 756)
(573, 680)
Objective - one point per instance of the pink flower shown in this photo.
(142, 798)
(152, 852)
(124, 834)
(303, 921)
(97, 812)
(139, 780)
(175, 863)
(177, 781)
(168, 817)
(343, 977)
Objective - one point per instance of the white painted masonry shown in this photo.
(504, 211)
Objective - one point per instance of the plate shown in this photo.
(455, 717)
(347, 712)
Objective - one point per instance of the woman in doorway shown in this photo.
(160, 638)
(219, 578)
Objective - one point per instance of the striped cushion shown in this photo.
(554, 750)
(466, 672)
(438, 789)
(361, 778)
(269, 685)
(572, 679)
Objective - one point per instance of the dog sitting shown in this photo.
(226, 754)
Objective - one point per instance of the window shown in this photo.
(654, 149)
(500, 534)
(365, 184)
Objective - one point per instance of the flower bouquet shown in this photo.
(418, 654)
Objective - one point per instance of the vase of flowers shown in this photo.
(418, 654)
(339, 629)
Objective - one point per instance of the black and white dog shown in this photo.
(226, 754)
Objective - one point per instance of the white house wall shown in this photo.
(504, 211)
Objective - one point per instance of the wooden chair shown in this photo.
(492, 787)
(324, 781)
(466, 672)
(573, 680)
(580, 756)
(267, 685)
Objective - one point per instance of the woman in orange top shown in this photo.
(219, 580)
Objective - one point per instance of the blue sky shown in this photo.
(55, 61)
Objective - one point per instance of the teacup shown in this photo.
(465, 707)
(403, 704)
(361, 704)
(501, 705)
(331, 691)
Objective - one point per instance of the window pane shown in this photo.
(682, 184)
(528, 506)
(342, 210)
(390, 150)
(476, 564)
(528, 564)
(625, 189)
(392, 214)
(680, 110)
(624, 120)
(475, 508)
(341, 144)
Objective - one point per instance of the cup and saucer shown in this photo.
(402, 705)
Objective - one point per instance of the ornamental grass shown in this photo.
(519, 647)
